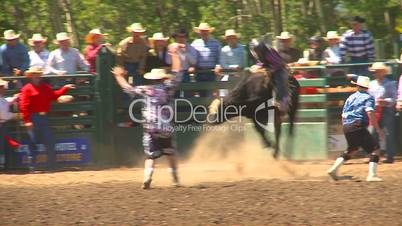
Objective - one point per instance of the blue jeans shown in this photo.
(280, 78)
(359, 70)
(132, 69)
(3, 146)
(208, 76)
(388, 123)
(183, 77)
(42, 134)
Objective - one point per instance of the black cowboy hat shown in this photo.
(358, 19)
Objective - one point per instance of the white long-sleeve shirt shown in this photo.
(38, 59)
(5, 113)
(68, 61)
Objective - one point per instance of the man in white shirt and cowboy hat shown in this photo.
(39, 54)
(132, 53)
(65, 59)
(332, 54)
(285, 49)
(357, 113)
(158, 52)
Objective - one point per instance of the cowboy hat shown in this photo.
(285, 35)
(92, 33)
(380, 66)
(332, 35)
(158, 37)
(203, 27)
(33, 70)
(3, 83)
(36, 38)
(11, 35)
(136, 27)
(362, 81)
(231, 32)
(62, 36)
(156, 74)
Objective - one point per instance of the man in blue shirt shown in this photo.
(208, 50)
(357, 112)
(14, 55)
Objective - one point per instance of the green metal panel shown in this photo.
(315, 98)
(314, 82)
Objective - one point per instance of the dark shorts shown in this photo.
(358, 136)
(156, 145)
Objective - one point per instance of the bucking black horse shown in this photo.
(253, 97)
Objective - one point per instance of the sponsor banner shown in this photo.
(68, 151)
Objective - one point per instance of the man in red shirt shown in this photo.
(34, 105)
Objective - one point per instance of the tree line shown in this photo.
(251, 18)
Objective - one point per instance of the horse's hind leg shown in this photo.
(261, 132)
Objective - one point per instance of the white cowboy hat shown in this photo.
(3, 83)
(36, 38)
(156, 74)
(11, 35)
(136, 27)
(332, 35)
(62, 36)
(231, 32)
(285, 35)
(380, 66)
(362, 81)
(33, 70)
(158, 36)
(203, 27)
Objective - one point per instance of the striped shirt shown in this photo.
(357, 45)
(207, 53)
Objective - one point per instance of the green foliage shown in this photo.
(251, 18)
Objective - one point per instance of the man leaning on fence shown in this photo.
(39, 54)
(65, 59)
(208, 50)
(14, 55)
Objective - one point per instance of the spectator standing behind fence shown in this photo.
(231, 57)
(65, 59)
(315, 50)
(14, 55)
(332, 54)
(157, 55)
(34, 105)
(285, 49)
(94, 39)
(358, 44)
(132, 53)
(39, 54)
(208, 50)
(385, 93)
(182, 57)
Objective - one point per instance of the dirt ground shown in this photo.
(242, 187)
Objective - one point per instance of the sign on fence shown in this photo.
(68, 151)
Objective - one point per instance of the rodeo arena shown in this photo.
(162, 130)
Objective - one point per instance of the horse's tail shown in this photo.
(294, 89)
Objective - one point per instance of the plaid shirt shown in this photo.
(357, 45)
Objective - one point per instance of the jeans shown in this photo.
(3, 146)
(359, 70)
(280, 78)
(387, 124)
(207, 76)
(132, 69)
(42, 134)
